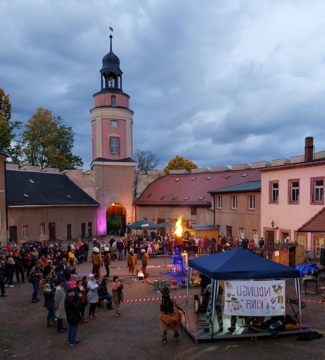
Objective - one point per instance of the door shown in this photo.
(285, 237)
(90, 229)
(52, 231)
(69, 231)
(13, 233)
(270, 237)
(83, 229)
(229, 231)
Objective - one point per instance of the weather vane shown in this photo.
(111, 27)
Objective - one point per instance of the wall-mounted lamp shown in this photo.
(113, 204)
(272, 224)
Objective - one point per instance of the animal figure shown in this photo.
(278, 289)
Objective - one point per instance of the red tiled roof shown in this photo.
(194, 186)
(315, 224)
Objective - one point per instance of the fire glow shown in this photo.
(179, 229)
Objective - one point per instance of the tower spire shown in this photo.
(110, 40)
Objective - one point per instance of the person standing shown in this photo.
(86, 248)
(245, 243)
(59, 299)
(35, 277)
(19, 267)
(120, 248)
(72, 304)
(132, 261)
(97, 261)
(10, 268)
(252, 245)
(218, 305)
(79, 289)
(107, 260)
(117, 295)
(48, 294)
(28, 263)
(145, 262)
(2, 275)
(92, 296)
(261, 243)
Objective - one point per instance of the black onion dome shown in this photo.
(111, 62)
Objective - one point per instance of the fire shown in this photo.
(179, 228)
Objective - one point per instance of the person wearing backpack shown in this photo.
(35, 277)
(72, 305)
(48, 294)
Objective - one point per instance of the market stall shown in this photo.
(254, 287)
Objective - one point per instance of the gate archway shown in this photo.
(115, 219)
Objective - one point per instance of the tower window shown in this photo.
(114, 124)
(113, 100)
(114, 145)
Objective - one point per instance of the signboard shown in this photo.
(254, 298)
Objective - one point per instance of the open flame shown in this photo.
(179, 228)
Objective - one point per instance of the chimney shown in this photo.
(309, 149)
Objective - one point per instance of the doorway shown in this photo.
(229, 231)
(90, 229)
(270, 237)
(285, 237)
(13, 233)
(115, 219)
(69, 231)
(83, 229)
(52, 231)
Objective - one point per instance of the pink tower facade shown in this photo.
(112, 122)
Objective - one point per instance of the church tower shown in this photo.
(112, 121)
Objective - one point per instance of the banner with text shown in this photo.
(254, 298)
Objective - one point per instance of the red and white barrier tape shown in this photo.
(154, 299)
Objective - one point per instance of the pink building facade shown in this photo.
(291, 195)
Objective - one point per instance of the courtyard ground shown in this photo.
(136, 334)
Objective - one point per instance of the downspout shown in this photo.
(7, 222)
(214, 210)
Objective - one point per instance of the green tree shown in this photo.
(7, 127)
(47, 142)
(179, 163)
(146, 160)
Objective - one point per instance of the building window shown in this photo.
(114, 124)
(25, 231)
(294, 191)
(251, 202)
(113, 100)
(219, 202)
(193, 210)
(42, 229)
(241, 232)
(319, 245)
(255, 235)
(234, 202)
(114, 145)
(318, 191)
(301, 239)
(274, 192)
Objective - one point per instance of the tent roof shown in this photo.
(143, 225)
(165, 224)
(239, 264)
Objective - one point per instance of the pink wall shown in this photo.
(105, 100)
(289, 217)
(93, 129)
(121, 132)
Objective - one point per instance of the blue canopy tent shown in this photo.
(239, 264)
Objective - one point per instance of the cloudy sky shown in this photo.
(218, 82)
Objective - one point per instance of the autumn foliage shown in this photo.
(179, 163)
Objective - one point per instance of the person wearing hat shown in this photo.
(132, 261)
(97, 261)
(145, 262)
(107, 260)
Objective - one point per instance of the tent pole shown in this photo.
(213, 294)
(188, 282)
(299, 299)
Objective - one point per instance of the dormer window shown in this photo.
(113, 100)
(193, 179)
(201, 198)
(174, 198)
(31, 181)
(177, 179)
(210, 177)
(186, 198)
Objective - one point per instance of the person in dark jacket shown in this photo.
(72, 309)
(48, 294)
(205, 281)
(86, 249)
(104, 295)
(80, 289)
(10, 268)
(19, 267)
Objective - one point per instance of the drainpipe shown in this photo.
(214, 210)
(7, 227)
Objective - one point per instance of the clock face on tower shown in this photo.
(114, 124)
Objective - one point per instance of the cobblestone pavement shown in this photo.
(136, 334)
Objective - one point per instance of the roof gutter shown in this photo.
(35, 206)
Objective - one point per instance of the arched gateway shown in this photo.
(115, 219)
